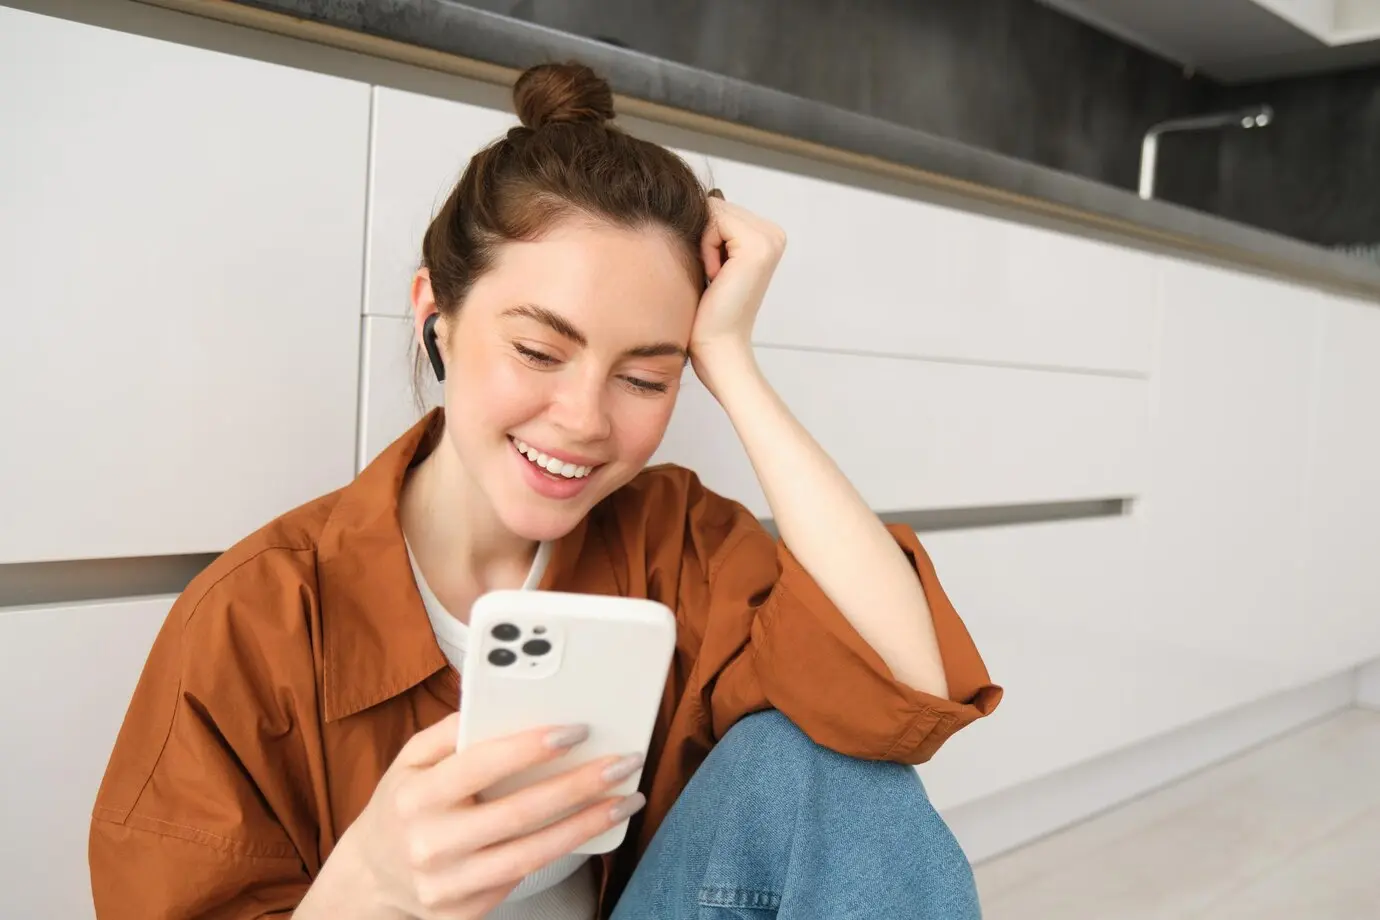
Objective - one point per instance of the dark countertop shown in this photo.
(453, 29)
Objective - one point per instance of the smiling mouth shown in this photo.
(550, 465)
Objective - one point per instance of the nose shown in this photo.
(580, 409)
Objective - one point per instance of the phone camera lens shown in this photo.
(506, 632)
(501, 657)
(536, 647)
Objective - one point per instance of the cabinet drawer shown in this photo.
(915, 435)
(66, 677)
(180, 263)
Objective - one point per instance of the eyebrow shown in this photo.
(565, 328)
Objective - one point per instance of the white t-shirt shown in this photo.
(567, 888)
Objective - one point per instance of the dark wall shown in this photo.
(1021, 79)
(1006, 75)
(1315, 172)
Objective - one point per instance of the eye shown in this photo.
(532, 356)
(646, 386)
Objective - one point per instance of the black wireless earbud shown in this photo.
(433, 353)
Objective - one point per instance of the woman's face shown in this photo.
(562, 368)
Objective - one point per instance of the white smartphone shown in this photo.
(539, 658)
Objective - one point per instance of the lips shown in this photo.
(552, 465)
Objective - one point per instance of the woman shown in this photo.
(290, 749)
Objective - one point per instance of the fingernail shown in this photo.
(567, 737)
(627, 808)
(620, 770)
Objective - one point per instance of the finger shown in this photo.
(516, 859)
(711, 246)
(467, 773)
(526, 810)
(431, 745)
(444, 895)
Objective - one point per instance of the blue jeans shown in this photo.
(773, 825)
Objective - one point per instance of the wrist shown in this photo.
(346, 887)
(724, 366)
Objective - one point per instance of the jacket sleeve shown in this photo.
(180, 827)
(772, 639)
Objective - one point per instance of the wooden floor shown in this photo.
(1288, 831)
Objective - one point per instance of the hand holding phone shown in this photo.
(425, 846)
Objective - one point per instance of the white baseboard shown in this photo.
(1014, 817)
(1368, 685)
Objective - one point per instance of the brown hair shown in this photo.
(566, 159)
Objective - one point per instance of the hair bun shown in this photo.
(571, 93)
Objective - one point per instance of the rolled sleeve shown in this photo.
(802, 657)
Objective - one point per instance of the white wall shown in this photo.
(218, 336)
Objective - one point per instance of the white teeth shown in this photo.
(551, 464)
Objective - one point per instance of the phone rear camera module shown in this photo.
(536, 647)
(501, 657)
(505, 632)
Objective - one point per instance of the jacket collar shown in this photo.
(376, 639)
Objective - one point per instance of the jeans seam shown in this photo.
(760, 899)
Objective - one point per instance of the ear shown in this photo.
(428, 321)
(423, 300)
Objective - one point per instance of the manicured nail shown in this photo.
(567, 737)
(620, 770)
(627, 808)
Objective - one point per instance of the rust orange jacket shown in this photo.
(292, 670)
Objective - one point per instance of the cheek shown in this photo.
(642, 425)
(495, 393)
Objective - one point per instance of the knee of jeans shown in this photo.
(770, 739)
(766, 732)
(768, 745)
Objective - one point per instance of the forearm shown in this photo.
(826, 524)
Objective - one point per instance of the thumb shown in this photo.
(432, 745)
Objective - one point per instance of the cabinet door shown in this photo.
(915, 435)
(180, 263)
(66, 676)
(879, 273)
(1229, 449)
(409, 181)
(1338, 622)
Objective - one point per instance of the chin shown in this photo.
(543, 524)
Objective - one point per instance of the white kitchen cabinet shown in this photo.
(1243, 570)
(1066, 615)
(917, 435)
(1230, 436)
(878, 273)
(180, 269)
(66, 677)
(1339, 615)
